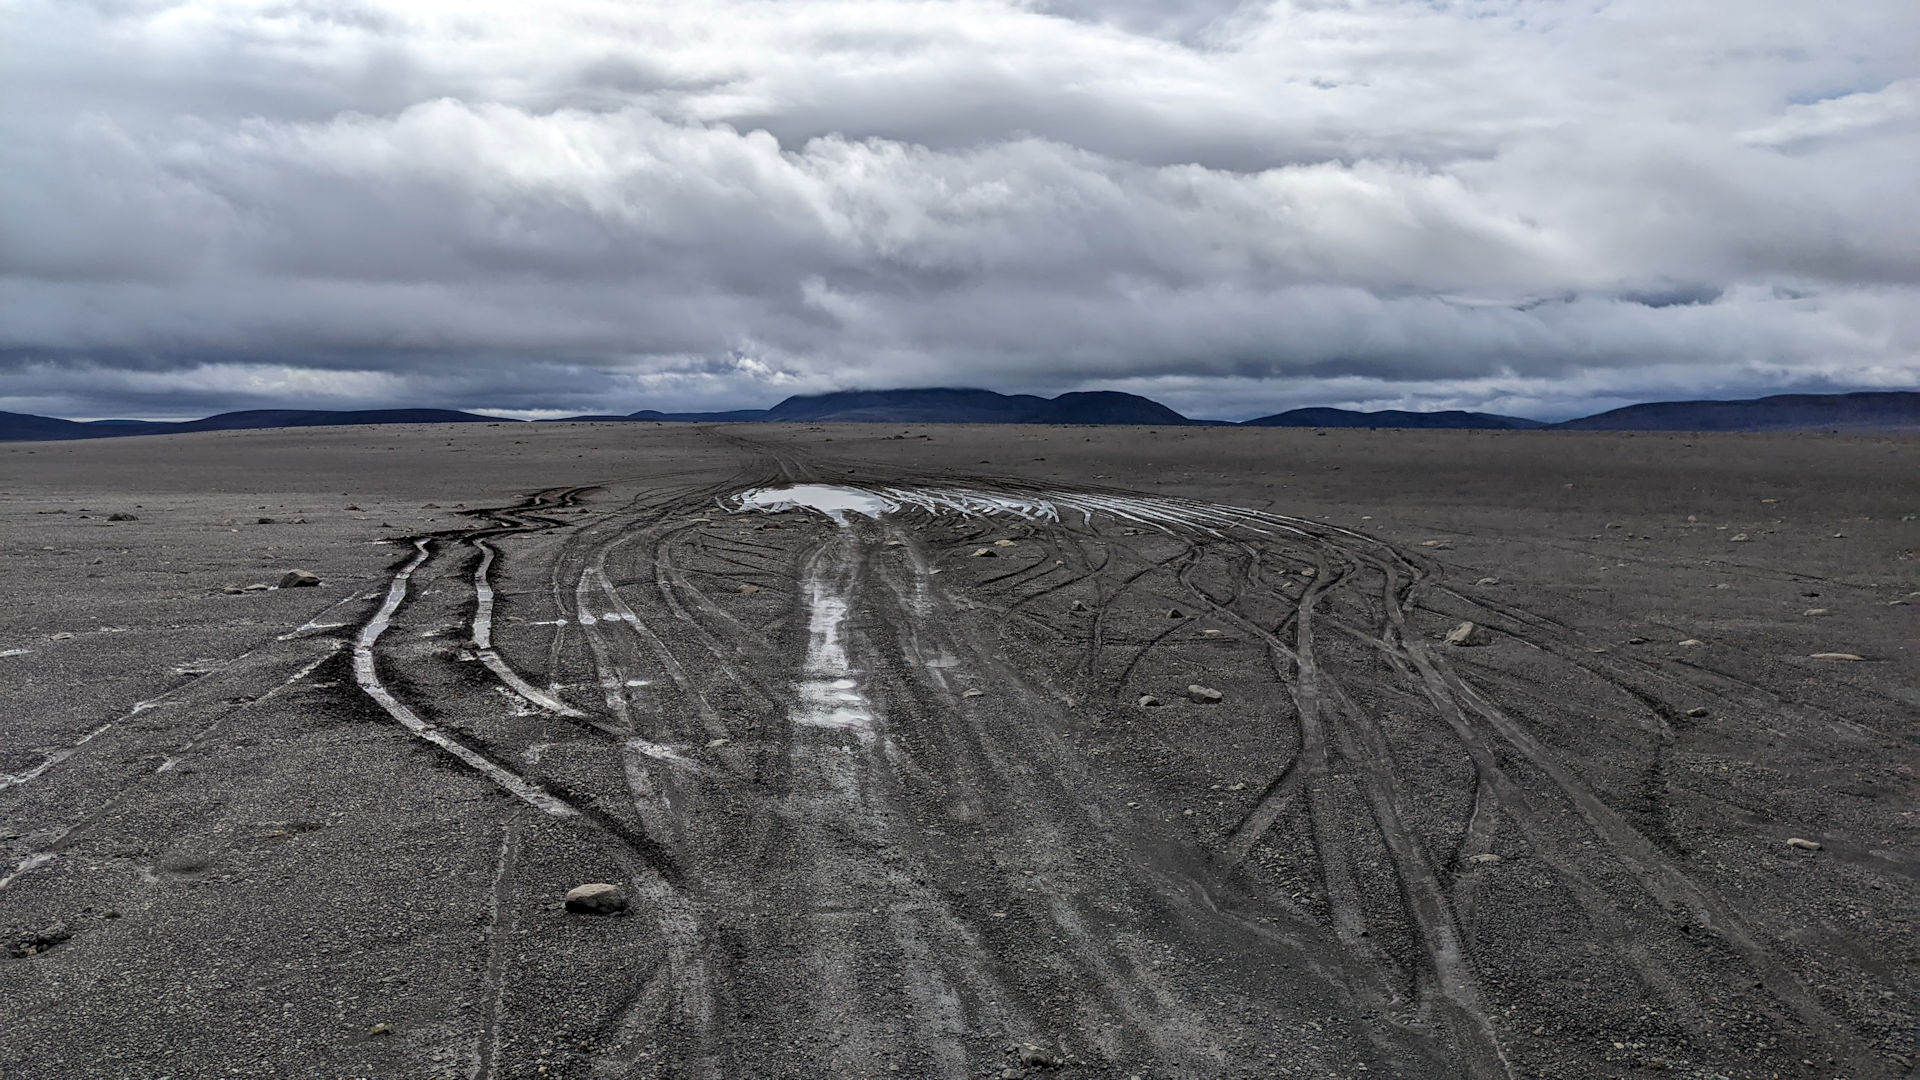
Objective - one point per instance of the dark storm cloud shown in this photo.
(1233, 206)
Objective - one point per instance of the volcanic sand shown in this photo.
(881, 788)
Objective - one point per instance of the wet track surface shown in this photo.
(902, 775)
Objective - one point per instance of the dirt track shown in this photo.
(887, 806)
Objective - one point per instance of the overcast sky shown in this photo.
(568, 206)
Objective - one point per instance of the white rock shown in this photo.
(1469, 633)
(1204, 695)
(596, 898)
(1804, 844)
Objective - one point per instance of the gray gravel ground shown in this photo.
(881, 806)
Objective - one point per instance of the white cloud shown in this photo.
(606, 206)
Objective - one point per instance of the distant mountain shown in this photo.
(1394, 418)
(949, 405)
(1879, 410)
(1876, 411)
(22, 426)
(736, 416)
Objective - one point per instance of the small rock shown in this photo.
(1697, 711)
(1003, 543)
(1077, 605)
(1176, 613)
(1213, 633)
(1804, 844)
(1148, 701)
(1469, 633)
(1484, 859)
(1436, 543)
(350, 506)
(1636, 641)
(748, 589)
(985, 553)
(264, 521)
(715, 744)
(1488, 581)
(1837, 656)
(1204, 695)
(39, 941)
(1308, 572)
(122, 516)
(597, 898)
(1691, 643)
(974, 692)
(380, 1029)
(1737, 538)
(299, 579)
(1038, 1057)
(1815, 611)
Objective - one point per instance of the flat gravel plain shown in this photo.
(1058, 752)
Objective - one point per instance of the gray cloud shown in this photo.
(1237, 207)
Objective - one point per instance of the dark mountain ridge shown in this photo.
(1894, 410)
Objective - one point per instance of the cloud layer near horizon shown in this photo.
(1532, 207)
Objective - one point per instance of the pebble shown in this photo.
(1469, 633)
(748, 589)
(299, 579)
(1488, 581)
(985, 553)
(1077, 605)
(1836, 656)
(1148, 701)
(1815, 611)
(1003, 543)
(1176, 613)
(1436, 543)
(597, 898)
(1697, 711)
(1636, 641)
(975, 692)
(1691, 642)
(1204, 695)
(1804, 844)
(1737, 538)
(380, 1029)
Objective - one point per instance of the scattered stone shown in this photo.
(1213, 633)
(1636, 641)
(597, 898)
(1204, 695)
(1484, 859)
(122, 516)
(1815, 611)
(985, 553)
(1436, 543)
(1737, 538)
(1488, 581)
(1469, 633)
(1697, 711)
(1309, 572)
(1003, 543)
(38, 941)
(1691, 643)
(1032, 1056)
(1077, 605)
(974, 692)
(299, 579)
(1850, 657)
(380, 1029)
(1176, 613)
(748, 589)
(1804, 844)
(1148, 701)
